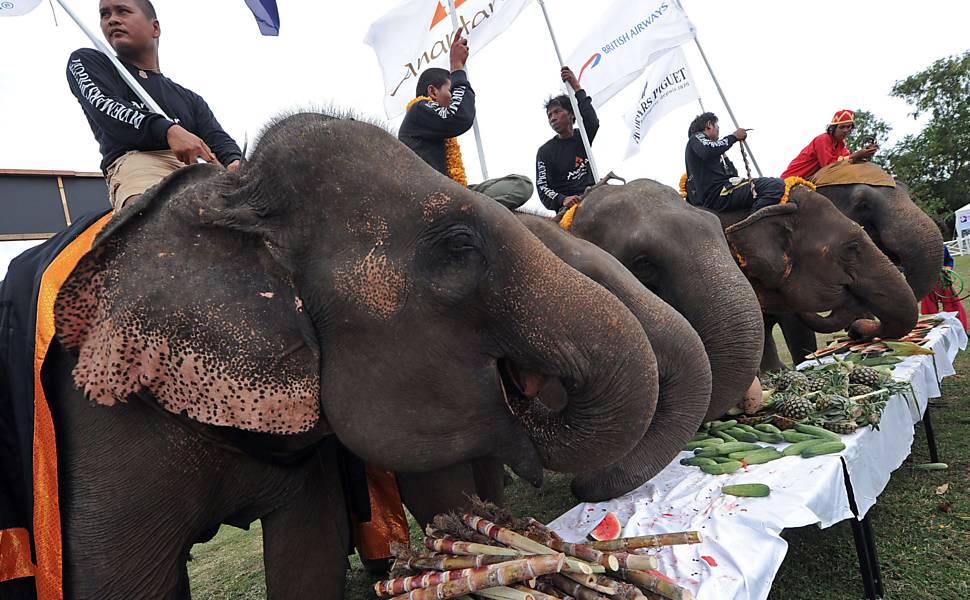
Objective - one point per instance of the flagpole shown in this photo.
(572, 97)
(478, 134)
(129, 79)
(721, 92)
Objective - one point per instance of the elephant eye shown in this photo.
(644, 270)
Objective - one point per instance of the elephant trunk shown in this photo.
(837, 320)
(884, 292)
(911, 238)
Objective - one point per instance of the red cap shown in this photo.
(843, 116)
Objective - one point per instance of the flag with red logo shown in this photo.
(417, 34)
(15, 8)
(628, 37)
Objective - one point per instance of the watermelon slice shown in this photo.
(608, 529)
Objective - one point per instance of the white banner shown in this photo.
(669, 84)
(417, 34)
(15, 8)
(630, 35)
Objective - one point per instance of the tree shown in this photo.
(869, 127)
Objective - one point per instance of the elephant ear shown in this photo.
(762, 243)
(202, 317)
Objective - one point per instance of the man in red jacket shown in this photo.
(828, 148)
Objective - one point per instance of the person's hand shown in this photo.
(234, 166)
(569, 201)
(569, 77)
(741, 134)
(188, 147)
(864, 154)
(459, 52)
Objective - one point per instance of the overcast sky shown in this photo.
(784, 66)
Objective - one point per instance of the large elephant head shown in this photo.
(806, 257)
(899, 228)
(679, 253)
(337, 280)
(685, 374)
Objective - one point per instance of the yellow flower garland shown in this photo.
(683, 186)
(567, 218)
(791, 182)
(453, 161)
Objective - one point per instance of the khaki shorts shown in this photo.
(134, 172)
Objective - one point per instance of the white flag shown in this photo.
(15, 8)
(669, 84)
(630, 35)
(417, 34)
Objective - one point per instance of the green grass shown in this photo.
(922, 537)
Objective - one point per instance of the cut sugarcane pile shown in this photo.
(876, 350)
(491, 554)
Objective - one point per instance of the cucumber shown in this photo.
(796, 448)
(707, 451)
(704, 443)
(756, 457)
(722, 425)
(725, 449)
(747, 490)
(793, 436)
(932, 467)
(768, 428)
(747, 428)
(817, 431)
(727, 437)
(721, 459)
(721, 469)
(699, 437)
(770, 438)
(696, 461)
(742, 435)
(823, 448)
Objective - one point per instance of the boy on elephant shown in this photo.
(443, 109)
(712, 180)
(562, 168)
(139, 147)
(828, 148)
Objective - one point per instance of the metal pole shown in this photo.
(726, 105)
(131, 81)
(572, 98)
(478, 134)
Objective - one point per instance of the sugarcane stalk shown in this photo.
(648, 541)
(520, 542)
(460, 547)
(573, 588)
(654, 581)
(537, 593)
(505, 573)
(505, 593)
(636, 562)
(446, 562)
(552, 591)
(581, 551)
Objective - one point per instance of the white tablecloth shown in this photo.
(742, 546)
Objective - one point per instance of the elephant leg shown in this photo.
(305, 541)
(800, 339)
(452, 488)
(770, 361)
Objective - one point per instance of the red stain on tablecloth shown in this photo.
(709, 560)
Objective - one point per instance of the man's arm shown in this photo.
(92, 80)
(432, 121)
(586, 110)
(212, 133)
(549, 197)
(707, 148)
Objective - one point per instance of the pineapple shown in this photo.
(791, 379)
(823, 402)
(865, 376)
(816, 383)
(843, 427)
(797, 408)
(857, 389)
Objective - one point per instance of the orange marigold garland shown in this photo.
(683, 186)
(791, 182)
(453, 160)
(567, 218)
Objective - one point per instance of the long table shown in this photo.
(742, 547)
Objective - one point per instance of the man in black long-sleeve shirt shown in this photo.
(712, 180)
(562, 167)
(443, 109)
(140, 147)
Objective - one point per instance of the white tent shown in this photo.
(962, 228)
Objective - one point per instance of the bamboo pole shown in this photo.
(520, 542)
(466, 548)
(506, 573)
(654, 581)
(478, 134)
(648, 541)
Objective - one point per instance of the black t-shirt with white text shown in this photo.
(562, 167)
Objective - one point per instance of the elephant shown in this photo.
(680, 254)
(227, 330)
(806, 257)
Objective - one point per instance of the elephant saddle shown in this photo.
(847, 173)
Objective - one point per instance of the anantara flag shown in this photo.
(15, 8)
(668, 85)
(417, 34)
(629, 36)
